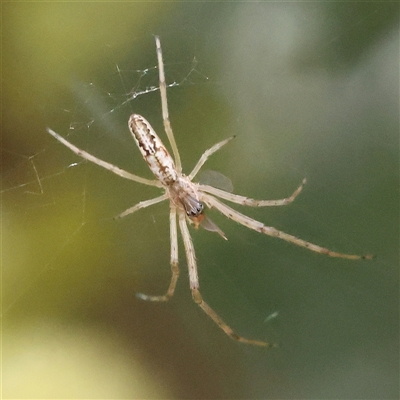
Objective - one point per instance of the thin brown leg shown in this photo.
(174, 263)
(226, 328)
(194, 286)
(270, 231)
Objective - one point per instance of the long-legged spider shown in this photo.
(187, 200)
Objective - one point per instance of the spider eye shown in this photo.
(200, 208)
(193, 208)
(195, 211)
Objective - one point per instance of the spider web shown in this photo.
(77, 201)
(69, 204)
(304, 101)
(63, 205)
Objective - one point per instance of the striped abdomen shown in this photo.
(153, 151)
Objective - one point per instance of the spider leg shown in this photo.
(206, 155)
(104, 164)
(270, 231)
(164, 106)
(142, 204)
(174, 262)
(245, 201)
(194, 286)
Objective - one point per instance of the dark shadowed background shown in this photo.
(311, 90)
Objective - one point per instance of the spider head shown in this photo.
(193, 207)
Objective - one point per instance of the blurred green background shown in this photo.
(311, 90)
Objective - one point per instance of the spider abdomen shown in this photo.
(153, 151)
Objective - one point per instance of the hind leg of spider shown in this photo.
(174, 263)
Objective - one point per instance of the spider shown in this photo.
(187, 201)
